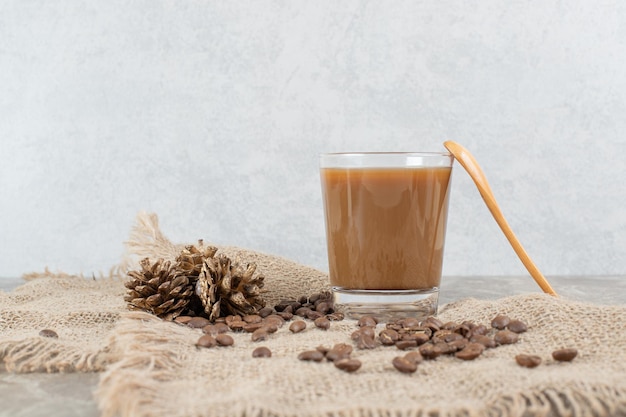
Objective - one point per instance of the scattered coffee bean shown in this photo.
(302, 311)
(565, 355)
(366, 340)
(517, 326)
(457, 345)
(198, 322)
(237, 325)
(528, 361)
(433, 323)
(230, 318)
(271, 327)
(336, 316)
(252, 318)
(348, 365)
(500, 322)
(410, 323)
(48, 333)
(265, 311)
(367, 321)
(323, 307)
(206, 341)
(323, 349)
(486, 341)
(261, 352)
(259, 334)
(285, 315)
(406, 344)
(311, 355)
(312, 315)
(429, 351)
(479, 330)
(252, 327)
(470, 352)
(322, 323)
(415, 357)
(338, 351)
(505, 337)
(275, 318)
(182, 319)
(297, 326)
(224, 339)
(404, 365)
(388, 337)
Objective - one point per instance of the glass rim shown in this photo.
(356, 160)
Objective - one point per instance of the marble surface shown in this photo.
(71, 395)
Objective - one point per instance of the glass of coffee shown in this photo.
(386, 217)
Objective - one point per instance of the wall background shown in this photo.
(212, 115)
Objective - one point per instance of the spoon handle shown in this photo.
(466, 159)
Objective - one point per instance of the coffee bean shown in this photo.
(457, 345)
(470, 352)
(314, 297)
(419, 338)
(517, 326)
(206, 341)
(275, 318)
(322, 323)
(261, 352)
(505, 337)
(271, 327)
(369, 331)
(406, 344)
(404, 365)
(312, 315)
(265, 311)
(486, 341)
(348, 365)
(414, 356)
(198, 322)
(311, 355)
(297, 326)
(338, 351)
(237, 325)
(336, 316)
(445, 348)
(303, 299)
(480, 330)
(288, 310)
(324, 307)
(285, 315)
(182, 319)
(367, 321)
(252, 327)
(302, 311)
(366, 340)
(410, 323)
(224, 339)
(433, 323)
(500, 322)
(216, 328)
(462, 330)
(388, 337)
(230, 318)
(48, 333)
(429, 351)
(450, 325)
(259, 334)
(564, 355)
(252, 318)
(323, 349)
(528, 361)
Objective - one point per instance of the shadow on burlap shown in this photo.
(152, 368)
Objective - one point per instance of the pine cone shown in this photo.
(191, 259)
(226, 288)
(159, 288)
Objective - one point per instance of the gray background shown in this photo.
(212, 114)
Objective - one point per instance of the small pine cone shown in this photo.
(190, 260)
(159, 289)
(227, 288)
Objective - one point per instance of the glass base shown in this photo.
(387, 305)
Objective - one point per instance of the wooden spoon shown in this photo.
(468, 162)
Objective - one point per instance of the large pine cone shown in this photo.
(229, 288)
(159, 288)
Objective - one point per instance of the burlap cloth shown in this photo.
(152, 368)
